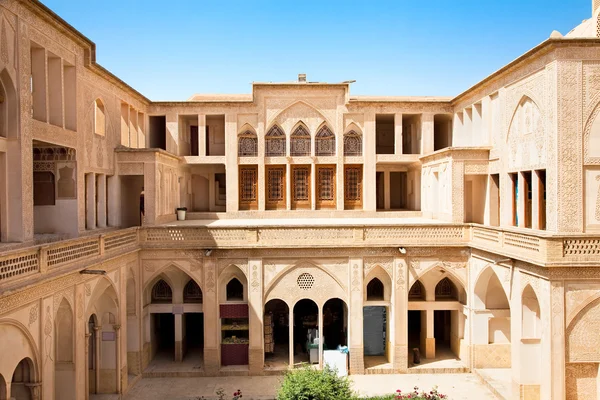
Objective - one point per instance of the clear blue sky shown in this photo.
(169, 50)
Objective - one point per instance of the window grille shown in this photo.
(301, 184)
(300, 142)
(235, 290)
(276, 186)
(248, 186)
(275, 142)
(326, 186)
(445, 290)
(353, 185)
(192, 292)
(43, 188)
(416, 291)
(375, 290)
(247, 144)
(161, 292)
(352, 144)
(325, 142)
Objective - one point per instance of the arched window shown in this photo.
(445, 290)
(375, 290)
(192, 292)
(161, 292)
(99, 118)
(353, 144)
(235, 290)
(247, 144)
(325, 142)
(531, 321)
(275, 142)
(300, 141)
(417, 291)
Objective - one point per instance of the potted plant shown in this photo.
(181, 213)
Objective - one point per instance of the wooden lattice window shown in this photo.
(300, 141)
(417, 292)
(353, 144)
(43, 188)
(161, 292)
(192, 292)
(445, 290)
(247, 144)
(275, 142)
(325, 186)
(325, 142)
(248, 190)
(275, 186)
(353, 178)
(300, 186)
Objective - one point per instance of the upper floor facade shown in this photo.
(82, 152)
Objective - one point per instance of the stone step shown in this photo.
(173, 374)
(451, 370)
(379, 371)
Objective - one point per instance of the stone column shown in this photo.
(87, 369)
(386, 190)
(291, 337)
(522, 198)
(288, 185)
(35, 389)
(535, 200)
(369, 163)
(355, 319)
(101, 204)
(313, 186)
(426, 133)
(321, 339)
(90, 201)
(399, 310)
(231, 162)
(430, 339)
(201, 135)
(398, 134)
(557, 328)
(256, 317)
(98, 360)
(117, 329)
(212, 338)
(178, 338)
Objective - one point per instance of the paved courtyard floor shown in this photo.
(456, 386)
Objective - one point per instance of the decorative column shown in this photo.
(557, 340)
(355, 320)
(35, 390)
(101, 204)
(178, 337)
(231, 162)
(521, 199)
(321, 336)
(291, 336)
(430, 339)
(201, 135)
(210, 306)
(117, 329)
(97, 333)
(426, 133)
(256, 348)
(87, 369)
(398, 134)
(386, 189)
(369, 163)
(90, 201)
(399, 310)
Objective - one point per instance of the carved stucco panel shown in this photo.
(577, 295)
(583, 336)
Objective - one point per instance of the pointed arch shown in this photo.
(247, 142)
(234, 290)
(375, 290)
(516, 106)
(275, 142)
(64, 332)
(446, 290)
(378, 274)
(300, 142)
(530, 316)
(353, 143)
(3, 391)
(325, 141)
(8, 106)
(99, 117)
(161, 292)
(591, 137)
(22, 375)
(17, 344)
(192, 292)
(489, 291)
(317, 114)
(104, 296)
(226, 276)
(417, 291)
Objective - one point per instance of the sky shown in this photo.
(169, 50)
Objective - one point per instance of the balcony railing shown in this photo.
(541, 248)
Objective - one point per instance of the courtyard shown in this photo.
(456, 386)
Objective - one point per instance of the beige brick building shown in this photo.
(465, 227)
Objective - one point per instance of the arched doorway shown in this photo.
(3, 394)
(436, 321)
(22, 376)
(92, 356)
(306, 330)
(277, 335)
(162, 329)
(64, 375)
(193, 324)
(377, 320)
(335, 324)
(530, 354)
(491, 323)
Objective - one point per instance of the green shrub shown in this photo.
(310, 384)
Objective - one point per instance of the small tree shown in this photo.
(310, 384)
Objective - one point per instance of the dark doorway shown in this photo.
(164, 332)
(374, 331)
(415, 319)
(277, 334)
(306, 317)
(441, 329)
(334, 324)
(194, 331)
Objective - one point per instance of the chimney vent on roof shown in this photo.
(302, 78)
